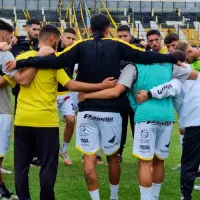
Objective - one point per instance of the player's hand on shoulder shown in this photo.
(14, 40)
(141, 96)
(109, 83)
(10, 65)
(81, 97)
(143, 43)
(45, 51)
(4, 46)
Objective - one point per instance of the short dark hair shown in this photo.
(4, 26)
(179, 55)
(153, 32)
(182, 46)
(99, 22)
(32, 21)
(124, 28)
(171, 37)
(48, 30)
(70, 30)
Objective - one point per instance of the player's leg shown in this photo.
(124, 117)
(24, 146)
(48, 153)
(143, 148)
(87, 141)
(190, 161)
(110, 135)
(67, 109)
(163, 138)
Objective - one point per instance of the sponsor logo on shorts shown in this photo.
(160, 123)
(103, 119)
(144, 133)
(82, 127)
(144, 147)
(167, 145)
(84, 140)
(112, 142)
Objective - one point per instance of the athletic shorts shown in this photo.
(152, 138)
(68, 103)
(5, 130)
(98, 130)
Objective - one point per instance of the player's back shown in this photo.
(150, 76)
(37, 102)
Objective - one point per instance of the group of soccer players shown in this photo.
(116, 78)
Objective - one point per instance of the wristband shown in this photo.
(149, 94)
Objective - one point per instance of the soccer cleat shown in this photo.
(5, 194)
(197, 187)
(178, 167)
(66, 158)
(99, 160)
(4, 171)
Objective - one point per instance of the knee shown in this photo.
(157, 161)
(90, 175)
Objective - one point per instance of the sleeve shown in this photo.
(128, 76)
(62, 77)
(11, 82)
(137, 55)
(5, 58)
(181, 73)
(178, 101)
(171, 88)
(68, 57)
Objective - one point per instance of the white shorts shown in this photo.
(5, 130)
(98, 130)
(152, 138)
(68, 103)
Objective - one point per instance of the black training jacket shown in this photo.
(98, 58)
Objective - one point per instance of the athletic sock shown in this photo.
(94, 194)
(155, 191)
(114, 189)
(64, 147)
(145, 193)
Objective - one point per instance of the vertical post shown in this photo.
(37, 4)
(15, 3)
(178, 29)
(2, 5)
(125, 12)
(140, 6)
(138, 31)
(49, 4)
(25, 4)
(42, 10)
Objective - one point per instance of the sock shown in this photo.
(145, 193)
(181, 140)
(155, 191)
(114, 189)
(94, 194)
(64, 147)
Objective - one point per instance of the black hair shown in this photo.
(32, 21)
(4, 26)
(70, 30)
(99, 23)
(179, 55)
(153, 32)
(171, 37)
(47, 30)
(124, 28)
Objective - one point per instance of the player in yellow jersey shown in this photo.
(36, 120)
(154, 40)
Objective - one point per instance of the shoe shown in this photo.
(197, 187)
(4, 171)
(4, 192)
(178, 167)
(99, 160)
(35, 162)
(66, 158)
(120, 158)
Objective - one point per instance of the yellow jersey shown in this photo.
(164, 50)
(37, 102)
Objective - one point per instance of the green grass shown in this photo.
(71, 185)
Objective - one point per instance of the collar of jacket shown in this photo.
(98, 35)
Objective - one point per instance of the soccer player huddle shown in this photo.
(116, 78)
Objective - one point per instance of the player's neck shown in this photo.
(41, 44)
